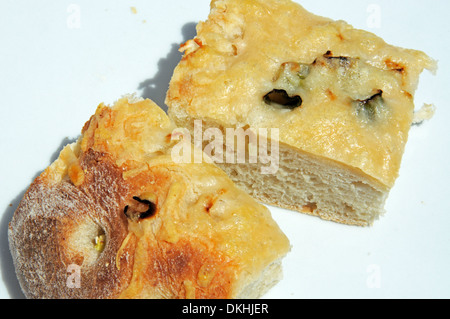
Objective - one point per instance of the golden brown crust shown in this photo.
(186, 269)
(40, 234)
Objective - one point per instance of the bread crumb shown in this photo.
(133, 10)
(424, 114)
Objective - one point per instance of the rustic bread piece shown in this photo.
(341, 98)
(116, 216)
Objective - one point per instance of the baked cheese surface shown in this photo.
(332, 90)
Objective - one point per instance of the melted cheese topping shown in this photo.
(237, 57)
(133, 133)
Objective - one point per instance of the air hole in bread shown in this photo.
(140, 209)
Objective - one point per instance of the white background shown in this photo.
(60, 59)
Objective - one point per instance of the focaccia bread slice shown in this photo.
(117, 215)
(341, 99)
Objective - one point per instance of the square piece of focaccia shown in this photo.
(340, 98)
(118, 215)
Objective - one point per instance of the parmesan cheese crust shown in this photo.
(336, 93)
(135, 224)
